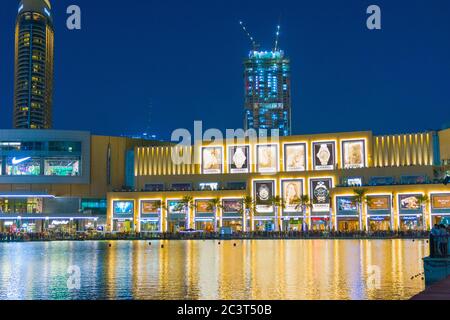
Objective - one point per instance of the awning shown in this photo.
(43, 216)
(25, 194)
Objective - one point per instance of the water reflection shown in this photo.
(265, 269)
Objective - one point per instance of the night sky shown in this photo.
(184, 59)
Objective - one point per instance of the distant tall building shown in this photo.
(33, 78)
(268, 91)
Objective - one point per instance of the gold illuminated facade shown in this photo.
(403, 150)
(394, 170)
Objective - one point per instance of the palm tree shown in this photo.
(302, 203)
(213, 205)
(277, 202)
(186, 203)
(422, 201)
(360, 197)
(249, 205)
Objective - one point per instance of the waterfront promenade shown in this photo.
(17, 237)
(437, 291)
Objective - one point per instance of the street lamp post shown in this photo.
(188, 220)
(276, 218)
(360, 210)
(424, 223)
(245, 218)
(215, 219)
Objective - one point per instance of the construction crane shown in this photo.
(252, 40)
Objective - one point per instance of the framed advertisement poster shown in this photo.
(203, 206)
(353, 154)
(263, 194)
(150, 206)
(320, 194)
(292, 191)
(440, 201)
(409, 202)
(346, 205)
(212, 160)
(239, 159)
(267, 158)
(376, 203)
(232, 205)
(295, 157)
(324, 155)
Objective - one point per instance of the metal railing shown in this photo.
(60, 236)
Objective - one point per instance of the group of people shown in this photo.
(439, 244)
(439, 240)
(42, 236)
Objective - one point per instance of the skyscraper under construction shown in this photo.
(33, 79)
(268, 91)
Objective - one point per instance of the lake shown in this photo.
(241, 269)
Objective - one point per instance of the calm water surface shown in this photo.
(254, 269)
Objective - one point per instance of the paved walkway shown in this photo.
(437, 291)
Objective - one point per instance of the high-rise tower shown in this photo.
(33, 78)
(268, 91)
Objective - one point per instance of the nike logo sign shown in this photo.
(15, 161)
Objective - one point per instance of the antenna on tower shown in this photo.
(277, 37)
(252, 40)
(149, 115)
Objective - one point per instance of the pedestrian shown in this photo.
(434, 240)
(443, 240)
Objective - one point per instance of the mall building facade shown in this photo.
(395, 170)
(53, 180)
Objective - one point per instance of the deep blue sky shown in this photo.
(185, 58)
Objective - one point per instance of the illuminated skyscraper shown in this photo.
(268, 92)
(33, 79)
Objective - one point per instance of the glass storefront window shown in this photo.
(152, 187)
(176, 225)
(234, 224)
(264, 225)
(236, 185)
(62, 166)
(64, 146)
(319, 224)
(293, 225)
(181, 187)
(30, 227)
(70, 226)
(21, 146)
(54, 146)
(62, 226)
(149, 226)
(20, 205)
(379, 224)
(207, 226)
(441, 220)
(8, 226)
(25, 166)
(86, 225)
(410, 223)
(123, 226)
(209, 186)
(93, 206)
(348, 225)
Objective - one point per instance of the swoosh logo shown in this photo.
(15, 161)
